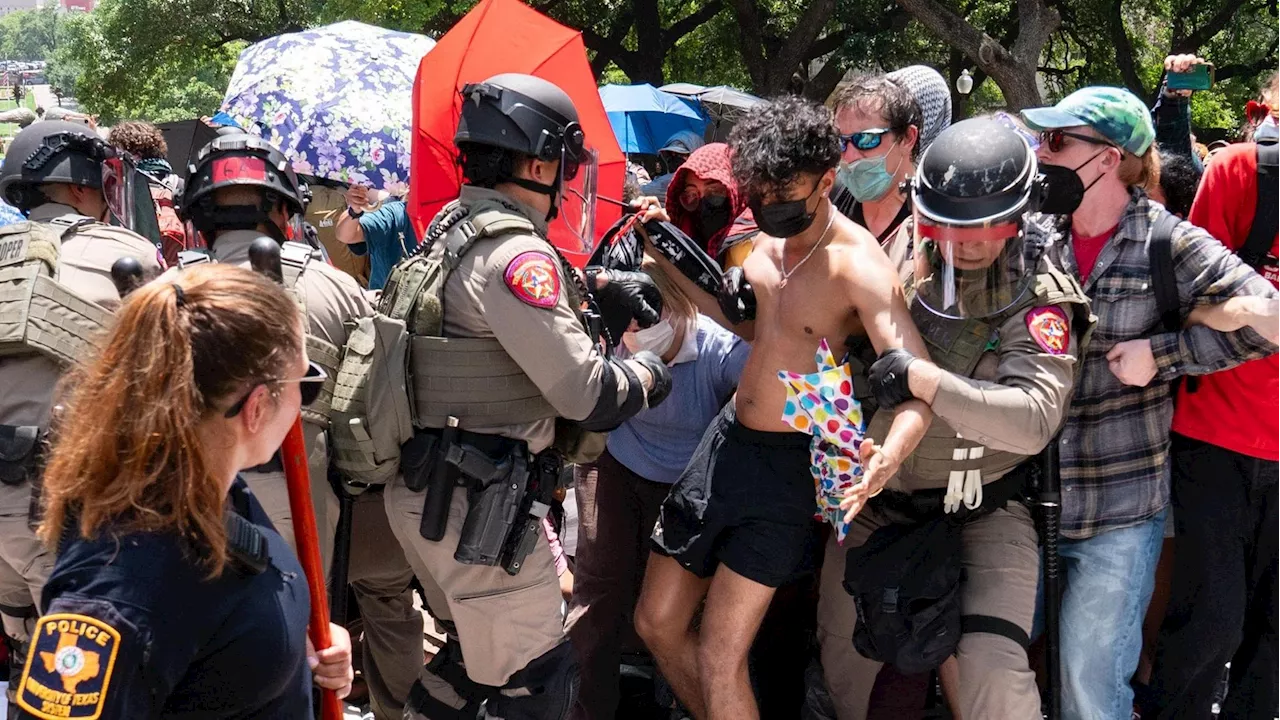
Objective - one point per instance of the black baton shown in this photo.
(435, 510)
(1050, 515)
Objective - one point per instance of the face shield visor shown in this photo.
(971, 272)
(575, 221)
(118, 190)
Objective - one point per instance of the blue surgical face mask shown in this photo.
(868, 179)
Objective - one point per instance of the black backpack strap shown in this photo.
(1164, 279)
(1266, 218)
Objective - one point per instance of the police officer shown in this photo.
(494, 378)
(1004, 329)
(57, 271)
(241, 189)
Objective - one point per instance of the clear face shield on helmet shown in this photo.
(118, 189)
(972, 272)
(575, 223)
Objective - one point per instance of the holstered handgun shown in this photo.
(533, 509)
(494, 494)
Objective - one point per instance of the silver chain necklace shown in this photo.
(782, 262)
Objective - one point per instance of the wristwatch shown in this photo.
(355, 214)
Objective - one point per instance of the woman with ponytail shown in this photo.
(172, 595)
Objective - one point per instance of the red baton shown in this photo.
(264, 257)
(298, 477)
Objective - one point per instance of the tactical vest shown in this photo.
(39, 315)
(943, 457)
(472, 379)
(37, 312)
(294, 258)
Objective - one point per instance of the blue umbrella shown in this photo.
(336, 100)
(645, 118)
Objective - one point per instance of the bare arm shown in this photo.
(1261, 314)
(877, 297)
(347, 229)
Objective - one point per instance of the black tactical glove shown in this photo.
(661, 376)
(737, 298)
(626, 296)
(888, 378)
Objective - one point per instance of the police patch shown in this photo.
(1049, 328)
(69, 667)
(533, 279)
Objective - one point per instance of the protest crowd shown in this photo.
(828, 411)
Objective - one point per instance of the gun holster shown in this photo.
(21, 453)
(496, 488)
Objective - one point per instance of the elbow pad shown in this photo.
(608, 414)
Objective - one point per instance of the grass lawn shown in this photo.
(8, 130)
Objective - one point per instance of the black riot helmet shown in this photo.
(56, 151)
(972, 187)
(242, 160)
(512, 115)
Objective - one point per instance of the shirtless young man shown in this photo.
(736, 525)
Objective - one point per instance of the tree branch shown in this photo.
(752, 43)
(689, 23)
(1036, 22)
(1124, 50)
(798, 41)
(826, 44)
(1205, 32)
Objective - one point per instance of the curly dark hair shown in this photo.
(1179, 181)
(780, 141)
(142, 139)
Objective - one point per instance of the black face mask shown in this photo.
(1062, 191)
(714, 214)
(785, 219)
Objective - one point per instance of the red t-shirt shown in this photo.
(1237, 409)
(1087, 250)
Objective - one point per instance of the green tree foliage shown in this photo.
(163, 58)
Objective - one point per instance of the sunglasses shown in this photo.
(309, 386)
(690, 198)
(1055, 139)
(865, 140)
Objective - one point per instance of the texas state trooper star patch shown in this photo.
(69, 667)
(532, 278)
(1049, 328)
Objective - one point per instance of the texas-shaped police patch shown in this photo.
(532, 278)
(69, 667)
(1049, 328)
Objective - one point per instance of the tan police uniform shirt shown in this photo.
(84, 266)
(1018, 394)
(332, 299)
(326, 205)
(513, 288)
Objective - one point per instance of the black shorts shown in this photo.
(746, 499)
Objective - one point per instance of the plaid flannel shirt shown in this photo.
(1114, 450)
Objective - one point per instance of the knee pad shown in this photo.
(544, 690)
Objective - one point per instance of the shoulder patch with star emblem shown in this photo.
(68, 667)
(1050, 329)
(534, 279)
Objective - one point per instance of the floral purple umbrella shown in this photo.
(336, 100)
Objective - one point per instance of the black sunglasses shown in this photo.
(309, 386)
(1055, 139)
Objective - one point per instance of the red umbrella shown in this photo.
(502, 36)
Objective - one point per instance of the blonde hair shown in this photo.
(673, 298)
(128, 455)
(1141, 170)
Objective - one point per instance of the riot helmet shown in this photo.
(242, 160)
(529, 116)
(57, 151)
(971, 190)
